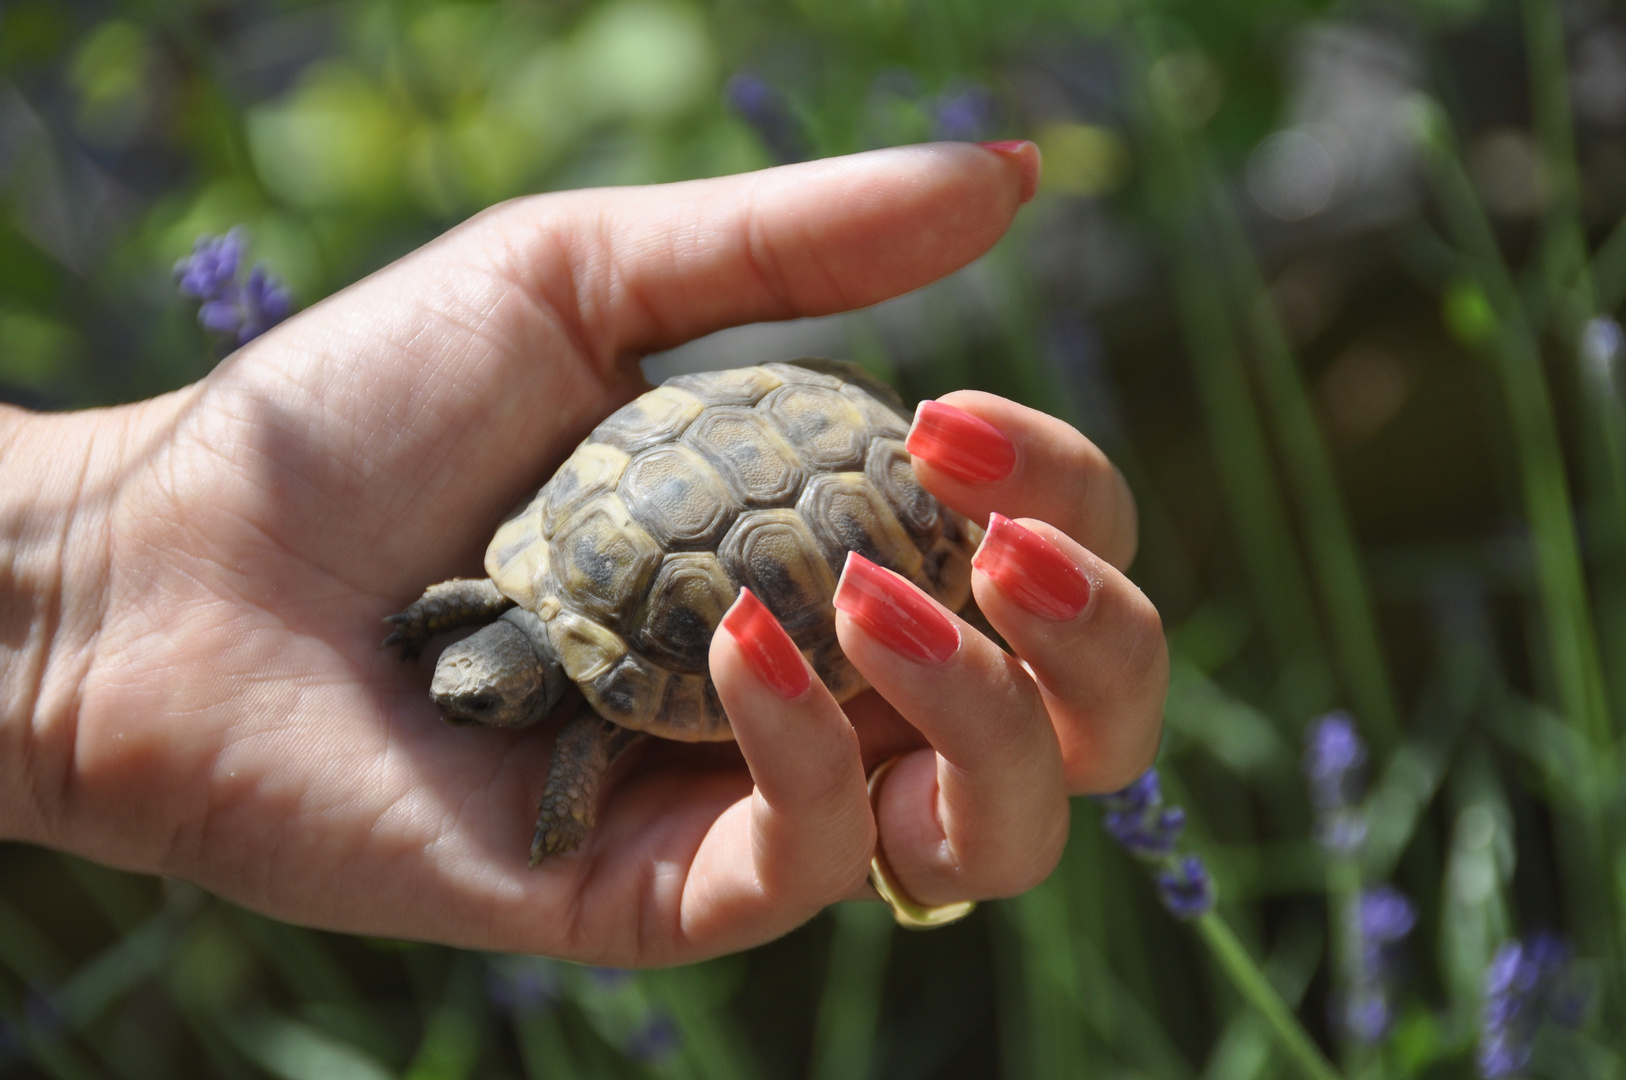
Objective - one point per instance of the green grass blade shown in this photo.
(850, 1004)
(294, 1050)
(1257, 990)
(1056, 1048)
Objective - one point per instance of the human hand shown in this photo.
(190, 640)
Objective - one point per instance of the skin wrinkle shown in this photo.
(91, 580)
(273, 873)
(838, 293)
(27, 673)
(624, 291)
(580, 269)
(758, 252)
(834, 881)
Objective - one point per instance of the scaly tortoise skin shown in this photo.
(616, 575)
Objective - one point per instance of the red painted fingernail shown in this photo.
(894, 612)
(766, 647)
(962, 444)
(1031, 570)
(1025, 153)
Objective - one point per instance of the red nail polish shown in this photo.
(1031, 570)
(1025, 153)
(766, 647)
(962, 444)
(894, 612)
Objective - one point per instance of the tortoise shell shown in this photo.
(763, 477)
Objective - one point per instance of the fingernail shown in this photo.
(766, 647)
(1031, 570)
(962, 444)
(1025, 153)
(894, 612)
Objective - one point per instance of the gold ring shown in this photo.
(910, 913)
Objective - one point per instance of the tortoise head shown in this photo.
(505, 675)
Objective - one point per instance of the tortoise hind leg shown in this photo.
(443, 607)
(585, 749)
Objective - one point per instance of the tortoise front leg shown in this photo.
(582, 755)
(443, 607)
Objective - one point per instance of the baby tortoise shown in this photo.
(616, 575)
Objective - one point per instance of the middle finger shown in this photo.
(983, 813)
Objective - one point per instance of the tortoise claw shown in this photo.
(410, 634)
(409, 649)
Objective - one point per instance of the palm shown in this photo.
(314, 483)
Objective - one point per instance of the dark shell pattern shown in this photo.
(762, 477)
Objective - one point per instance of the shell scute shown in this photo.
(689, 597)
(593, 470)
(676, 494)
(945, 573)
(885, 420)
(517, 558)
(761, 467)
(731, 386)
(586, 649)
(811, 372)
(891, 470)
(824, 427)
(603, 560)
(848, 513)
(629, 693)
(774, 554)
(692, 712)
(649, 420)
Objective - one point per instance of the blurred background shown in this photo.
(1334, 284)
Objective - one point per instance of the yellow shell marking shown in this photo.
(588, 473)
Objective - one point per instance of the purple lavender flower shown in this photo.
(1335, 765)
(1382, 920)
(765, 107)
(610, 978)
(265, 302)
(965, 114)
(212, 267)
(1147, 835)
(1527, 982)
(233, 310)
(525, 987)
(1137, 821)
(654, 1041)
(1186, 889)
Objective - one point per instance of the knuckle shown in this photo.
(1143, 665)
(1123, 769)
(1007, 733)
(1011, 865)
